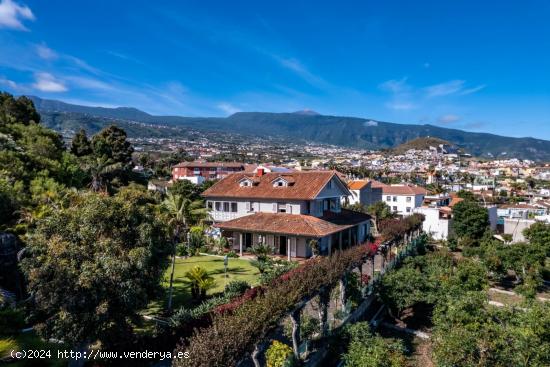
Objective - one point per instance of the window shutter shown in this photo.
(289, 208)
(248, 206)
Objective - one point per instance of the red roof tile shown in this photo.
(404, 190)
(294, 224)
(302, 185)
(204, 164)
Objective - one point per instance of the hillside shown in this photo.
(424, 143)
(344, 131)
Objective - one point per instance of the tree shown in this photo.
(368, 350)
(200, 282)
(81, 146)
(100, 170)
(466, 195)
(470, 220)
(379, 211)
(92, 266)
(20, 110)
(181, 213)
(402, 289)
(111, 144)
(186, 189)
(539, 234)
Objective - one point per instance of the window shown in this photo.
(234, 207)
(218, 206)
(409, 199)
(280, 183)
(395, 198)
(225, 206)
(209, 205)
(408, 209)
(281, 207)
(388, 198)
(394, 208)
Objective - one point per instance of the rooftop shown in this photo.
(404, 190)
(301, 185)
(295, 224)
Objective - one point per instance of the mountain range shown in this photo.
(302, 125)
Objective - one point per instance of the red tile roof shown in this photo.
(302, 185)
(404, 190)
(295, 224)
(377, 184)
(357, 185)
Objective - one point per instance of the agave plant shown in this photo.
(200, 282)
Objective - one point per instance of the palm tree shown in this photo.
(200, 281)
(181, 212)
(99, 168)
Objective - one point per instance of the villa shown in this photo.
(289, 211)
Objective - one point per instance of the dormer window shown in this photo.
(280, 182)
(245, 182)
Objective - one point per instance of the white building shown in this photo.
(402, 199)
(437, 222)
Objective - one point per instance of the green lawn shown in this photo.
(237, 269)
(31, 341)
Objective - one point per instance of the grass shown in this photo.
(31, 341)
(237, 269)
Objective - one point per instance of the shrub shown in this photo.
(11, 321)
(232, 254)
(181, 250)
(279, 355)
(236, 288)
(6, 346)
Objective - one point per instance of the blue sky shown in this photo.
(472, 65)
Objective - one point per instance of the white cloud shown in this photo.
(370, 123)
(46, 82)
(444, 89)
(228, 108)
(8, 83)
(299, 69)
(89, 83)
(396, 86)
(451, 87)
(45, 52)
(472, 90)
(12, 15)
(401, 106)
(448, 119)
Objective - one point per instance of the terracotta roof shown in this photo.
(204, 164)
(357, 185)
(377, 184)
(404, 190)
(294, 224)
(455, 200)
(302, 185)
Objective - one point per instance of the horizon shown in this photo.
(460, 66)
(291, 112)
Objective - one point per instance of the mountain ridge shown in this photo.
(353, 132)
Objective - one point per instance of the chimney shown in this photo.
(260, 172)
